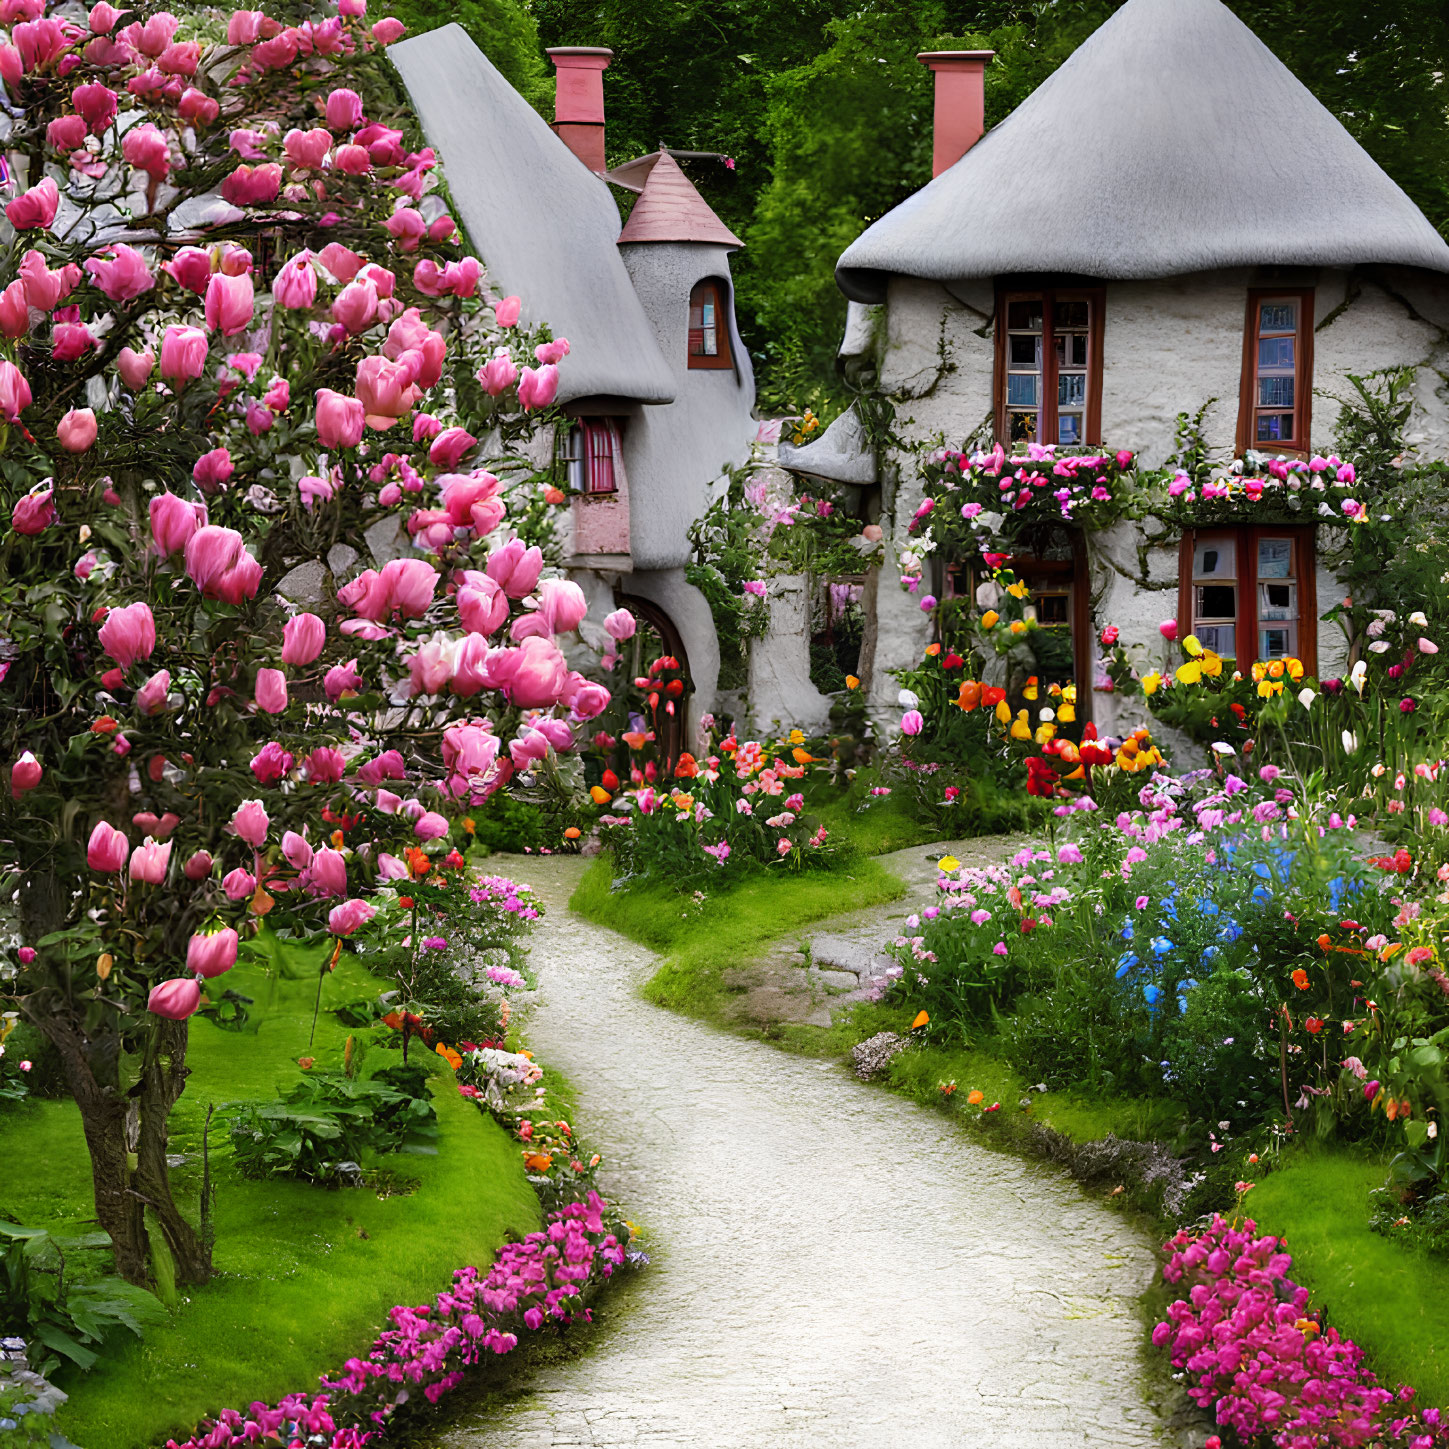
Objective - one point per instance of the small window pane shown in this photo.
(1275, 558)
(1079, 350)
(1277, 601)
(1023, 427)
(1279, 317)
(709, 342)
(1275, 392)
(1069, 314)
(1024, 316)
(1276, 353)
(1025, 351)
(1220, 638)
(1275, 427)
(1276, 641)
(1023, 390)
(1051, 609)
(1072, 389)
(1069, 430)
(1217, 601)
(1213, 558)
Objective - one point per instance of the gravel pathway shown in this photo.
(833, 1266)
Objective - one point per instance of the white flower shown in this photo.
(1358, 675)
(1350, 742)
(1047, 714)
(908, 699)
(1418, 617)
(1378, 770)
(1306, 697)
(1220, 747)
(1380, 646)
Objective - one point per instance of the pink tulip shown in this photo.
(147, 150)
(108, 849)
(295, 286)
(296, 850)
(70, 341)
(307, 150)
(385, 390)
(135, 367)
(515, 568)
(180, 58)
(449, 447)
(327, 875)
(238, 884)
(340, 419)
(469, 749)
(173, 521)
(471, 500)
(33, 513)
(388, 29)
(1168, 629)
(183, 353)
(589, 701)
(302, 639)
(431, 668)
(25, 775)
(271, 762)
(151, 697)
(470, 666)
(103, 18)
(530, 676)
(355, 306)
(344, 110)
(198, 866)
(482, 603)
(14, 392)
(211, 955)
(175, 1000)
(620, 625)
(212, 470)
(66, 133)
(339, 261)
(245, 27)
(45, 288)
(150, 862)
(252, 185)
(191, 266)
(342, 679)
(271, 690)
(431, 826)
(36, 207)
(77, 430)
(912, 722)
(537, 389)
(552, 353)
(562, 603)
(258, 419)
(14, 311)
(96, 104)
(158, 829)
(129, 634)
(278, 396)
(218, 563)
(352, 160)
(406, 226)
(197, 108)
(498, 374)
(230, 302)
(324, 766)
(123, 276)
(251, 822)
(506, 313)
(343, 920)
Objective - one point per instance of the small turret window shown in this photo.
(589, 457)
(709, 328)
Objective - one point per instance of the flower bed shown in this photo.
(1256, 1354)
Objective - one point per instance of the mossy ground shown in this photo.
(305, 1274)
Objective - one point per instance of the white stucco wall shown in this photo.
(1169, 346)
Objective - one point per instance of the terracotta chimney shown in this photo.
(960, 103)
(578, 103)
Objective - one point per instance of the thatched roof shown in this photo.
(669, 209)
(1172, 141)
(546, 227)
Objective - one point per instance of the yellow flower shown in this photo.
(948, 863)
(1020, 728)
(1067, 713)
(851, 682)
(1003, 712)
(1212, 664)
(1018, 627)
(1045, 732)
(1150, 682)
(1192, 646)
(990, 619)
(1031, 691)
(1260, 670)
(1295, 669)
(1018, 590)
(797, 737)
(1070, 694)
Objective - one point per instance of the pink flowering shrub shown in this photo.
(546, 1278)
(1258, 1356)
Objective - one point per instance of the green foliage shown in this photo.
(22, 1430)
(324, 1126)
(63, 1320)
(504, 30)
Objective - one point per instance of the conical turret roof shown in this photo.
(1172, 141)
(669, 209)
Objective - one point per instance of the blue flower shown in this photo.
(1152, 994)
(1128, 931)
(1229, 931)
(1161, 946)
(1210, 954)
(1262, 894)
(1208, 907)
(1259, 869)
(1127, 962)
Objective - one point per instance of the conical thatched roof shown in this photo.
(544, 225)
(1172, 141)
(669, 209)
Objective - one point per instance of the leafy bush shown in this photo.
(61, 1320)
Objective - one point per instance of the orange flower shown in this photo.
(687, 768)
(538, 1161)
(553, 496)
(932, 650)
(1300, 979)
(1323, 942)
(922, 1019)
(449, 1055)
(470, 825)
(969, 696)
(105, 726)
(975, 1099)
(417, 861)
(802, 757)
(572, 833)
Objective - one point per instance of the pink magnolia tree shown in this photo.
(263, 620)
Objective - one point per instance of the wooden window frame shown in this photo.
(1246, 538)
(1302, 374)
(1096, 297)
(721, 358)
(595, 461)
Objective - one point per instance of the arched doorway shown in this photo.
(658, 636)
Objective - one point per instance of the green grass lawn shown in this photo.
(305, 1274)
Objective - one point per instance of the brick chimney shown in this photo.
(960, 116)
(578, 103)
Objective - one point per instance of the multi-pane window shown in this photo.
(709, 335)
(1050, 374)
(1249, 593)
(589, 456)
(1277, 372)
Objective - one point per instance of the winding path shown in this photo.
(833, 1266)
